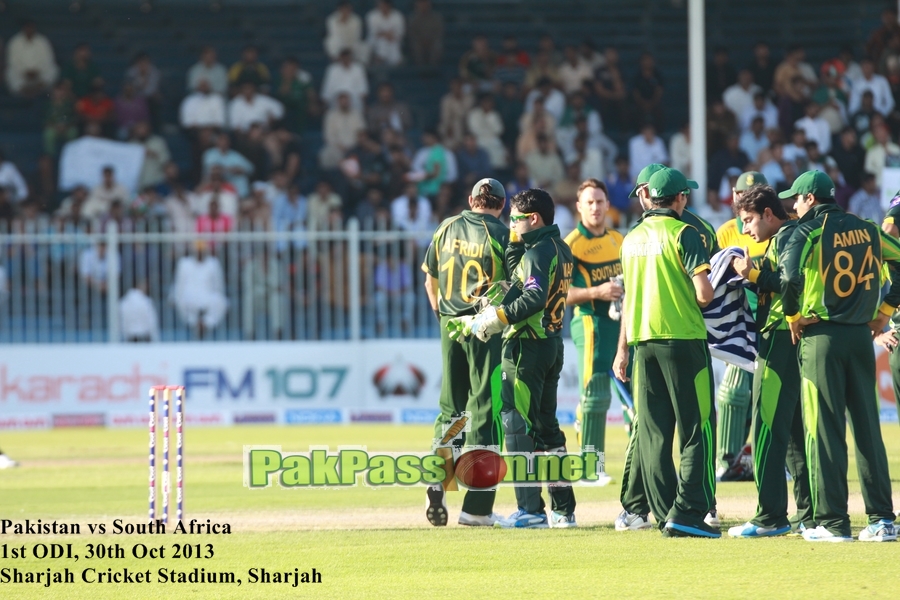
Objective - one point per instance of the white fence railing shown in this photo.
(73, 283)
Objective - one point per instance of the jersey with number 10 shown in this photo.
(832, 266)
(467, 253)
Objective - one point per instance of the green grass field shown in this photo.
(376, 543)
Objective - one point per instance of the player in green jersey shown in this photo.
(890, 339)
(532, 314)
(467, 254)
(596, 253)
(832, 270)
(666, 270)
(777, 415)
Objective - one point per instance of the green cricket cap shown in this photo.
(644, 176)
(816, 183)
(748, 180)
(668, 182)
(496, 188)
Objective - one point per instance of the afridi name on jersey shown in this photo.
(596, 262)
(466, 254)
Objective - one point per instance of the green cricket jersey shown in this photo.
(659, 258)
(596, 262)
(467, 253)
(704, 228)
(833, 266)
(893, 218)
(770, 313)
(541, 266)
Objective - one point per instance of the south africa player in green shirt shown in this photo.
(777, 416)
(832, 270)
(666, 271)
(596, 253)
(467, 254)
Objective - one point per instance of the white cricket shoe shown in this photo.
(821, 534)
(712, 518)
(6, 462)
(882, 531)
(523, 520)
(627, 521)
(559, 520)
(479, 520)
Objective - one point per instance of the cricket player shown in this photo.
(596, 254)
(468, 252)
(734, 393)
(890, 339)
(635, 513)
(777, 414)
(666, 270)
(832, 270)
(532, 315)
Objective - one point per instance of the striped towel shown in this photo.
(730, 327)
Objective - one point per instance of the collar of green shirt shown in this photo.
(584, 231)
(536, 235)
(820, 209)
(661, 212)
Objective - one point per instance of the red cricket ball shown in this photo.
(480, 468)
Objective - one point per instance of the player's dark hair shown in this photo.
(537, 201)
(486, 200)
(591, 183)
(663, 202)
(758, 198)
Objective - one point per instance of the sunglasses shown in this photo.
(517, 218)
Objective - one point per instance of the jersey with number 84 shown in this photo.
(833, 265)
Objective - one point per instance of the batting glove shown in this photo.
(460, 328)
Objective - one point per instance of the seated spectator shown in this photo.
(104, 194)
(426, 34)
(795, 151)
(486, 125)
(399, 167)
(92, 267)
(213, 220)
(386, 27)
(387, 112)
(289, 213)
(97, 108)
(131, 109)
(81, 72)
(146, 78)
(588, 160)
(816, 128)
(520, 181)
(179, 205)
(647, 92)
(739, 97)
(446, 204)
(7, 212)
(510, 107)
(30, 64)
(148, 205)
(547, 44)
(866, 202)
(761, 107)
(345, 75)
(770, 165)
(365, 165)
(644, 149)
(156, 155)
(455, 106)
(199, 289)
(849, 156)
(713, 210)
(476, 67)
(340, 131)
(762, 67)
(574, 72)
(235, 168)
(794, 66)
(372, 211)
(118, 216)
(831, 98)
(412, 212)
(473, 161)
(720, 74)
(862, 119)
(813, 158)
(881, 152)
(882, 98)
(729, 157)
(138, 321)
(609, 89)
(554, 100)
(12, 180)
(210, 70)
(434, 164)
(320, 204)
(59, 122)
(842, 191)
(254, 118)
(619, 185)
(250, 107)
(202, 110)
(533, 124)
(680, 149)
(344, 29)
(791, 105)
(256, 211)
(567, 129)
(72, 206)
(172, 179)
(542, 68)
(544, 164)
(512, 63)
(296, 92)
(393, 282)
(249, 68)
(754, 140)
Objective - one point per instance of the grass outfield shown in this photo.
(369, 543)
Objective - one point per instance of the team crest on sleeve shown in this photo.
(531, 283)
(895, 201)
